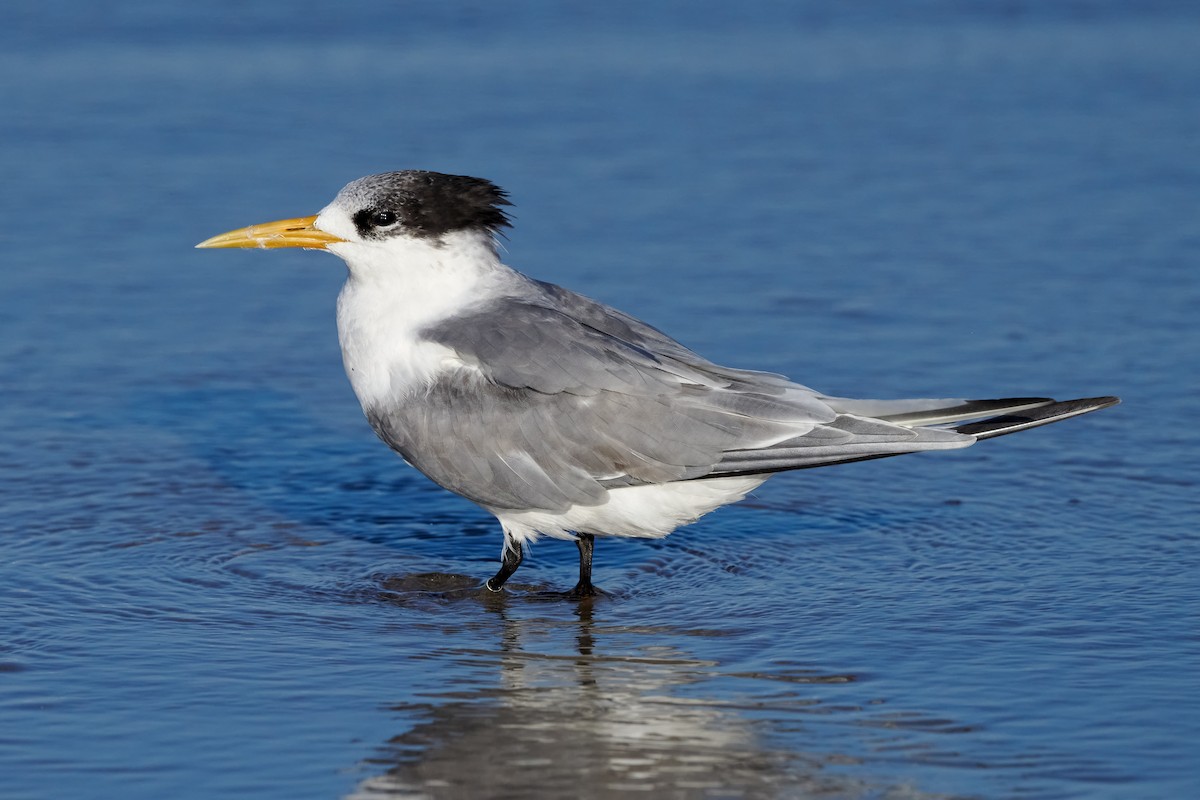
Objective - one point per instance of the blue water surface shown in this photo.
(215, 582)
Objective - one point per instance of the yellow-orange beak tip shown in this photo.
(299, 232)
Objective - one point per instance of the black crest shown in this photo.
(424, 204)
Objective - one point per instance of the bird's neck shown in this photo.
(418, 282)
(396, 290)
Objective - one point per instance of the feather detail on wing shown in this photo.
(556, 399)
(912, 413)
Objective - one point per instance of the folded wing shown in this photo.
(556, 399)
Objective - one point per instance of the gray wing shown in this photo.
(562, 398)
(555, 340)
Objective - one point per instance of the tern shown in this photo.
(558, 414)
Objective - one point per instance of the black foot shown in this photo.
(513, 553)
(583, 591)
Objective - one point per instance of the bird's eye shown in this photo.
(382, 219)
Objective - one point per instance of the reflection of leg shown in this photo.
(513, 553)
(586, 543)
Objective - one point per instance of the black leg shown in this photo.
(513, 553)
(586, 543)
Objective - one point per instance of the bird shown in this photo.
(558, 414)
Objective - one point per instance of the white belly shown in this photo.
(638, 511)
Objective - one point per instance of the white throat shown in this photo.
(396, 288)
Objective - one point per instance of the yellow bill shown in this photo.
(297, 232)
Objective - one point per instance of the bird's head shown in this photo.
(384, 212)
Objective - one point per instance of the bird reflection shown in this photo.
(613, 715)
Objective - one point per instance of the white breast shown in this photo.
(383, 357)
(396, 289)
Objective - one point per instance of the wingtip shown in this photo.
(1042, 415)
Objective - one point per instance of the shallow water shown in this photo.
(216, 582)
